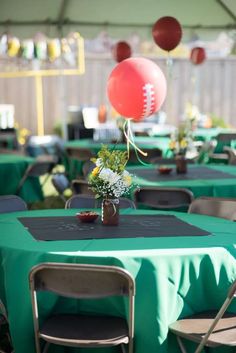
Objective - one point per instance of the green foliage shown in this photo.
(114, 159)
(218, 122)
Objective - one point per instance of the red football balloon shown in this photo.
(121, 51)
(167, 33)
(198, 55)
(136, 88)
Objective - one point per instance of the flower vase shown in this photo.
(181, 164)
(110, 212)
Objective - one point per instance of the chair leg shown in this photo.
(181, 345)
(46, 346)
(123, 349)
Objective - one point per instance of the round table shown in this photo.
(175, 276)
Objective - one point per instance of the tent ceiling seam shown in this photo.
(68, 22)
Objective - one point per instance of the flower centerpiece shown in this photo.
(180, 143)
(109, 180)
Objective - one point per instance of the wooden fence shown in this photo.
(210, 86)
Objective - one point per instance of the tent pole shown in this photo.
(39, 104)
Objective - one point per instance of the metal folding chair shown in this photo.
(12, 203)
(210, 328)
(163, 198)
(39, 168)
(80, 281)
(214, 206)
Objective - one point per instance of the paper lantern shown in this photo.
(167, 33)
(198, 55)
(136, 88)
(121, 51)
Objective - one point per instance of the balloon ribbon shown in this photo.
(130, 141)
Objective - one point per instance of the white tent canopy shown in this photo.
(119, 18)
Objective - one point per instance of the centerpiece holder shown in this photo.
(110, 212)
(181, 164)
(181, 142)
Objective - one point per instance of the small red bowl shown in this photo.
(87, 216)
(165, 170)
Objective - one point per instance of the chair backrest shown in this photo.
(214, 206)
(224, 139)
(81, 281)
(89, 201)
(87, 168)
(226, 136)
(60, 182)
(37, 169)
(163, 198)
(80, 186)
(12, 203)
(40, 167)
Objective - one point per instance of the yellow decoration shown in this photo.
(54, 49)
(46, 73)
(13, 47)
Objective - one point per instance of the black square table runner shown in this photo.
(194, 172)
(130, 226)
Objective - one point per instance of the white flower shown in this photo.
(109, 176)
(99, 162)
(127, 179)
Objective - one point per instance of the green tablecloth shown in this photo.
(12, 168)
(175, 276)
(142, 142)
(200, 187)
(204, 134)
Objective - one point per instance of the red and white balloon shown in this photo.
(136, 88)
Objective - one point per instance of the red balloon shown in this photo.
(167, 33)
(198, 55)
(121, 51)
(136, 88)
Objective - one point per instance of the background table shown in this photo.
(220, 187)
(175, 276)
(142, 142)
(74, 166)
(12, 168)
(203, 134)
